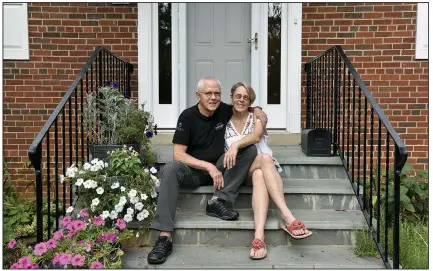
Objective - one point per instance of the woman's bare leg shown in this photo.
(260, 202)
(274, 185)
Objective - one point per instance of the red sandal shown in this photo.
(257, 244)
(297, 225)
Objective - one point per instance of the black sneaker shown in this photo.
(160, 252)
(218, 209)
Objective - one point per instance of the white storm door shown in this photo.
(217, 45)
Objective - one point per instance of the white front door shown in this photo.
(210, 39)
(217, 45)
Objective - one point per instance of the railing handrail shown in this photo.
(38, 139)
(397, 140)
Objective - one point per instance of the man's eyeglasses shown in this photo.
(210, 93)
(239, 97)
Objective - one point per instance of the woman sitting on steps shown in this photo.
(263, 174)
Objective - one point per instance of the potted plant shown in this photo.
(111, 121)
(120, 188)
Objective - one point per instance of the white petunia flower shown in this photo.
(118, 208)
(157, 183)
(79, 182)
(153, 170)
(143, 196)
(153, 194)
(139, 206)
(137, 235)
(93, 208)
(94, 168)
(145, 213)
(124, 146)
(115, 185)
(134, 200)
(94, 161)
(127, 218)
(100, 190)
(130, 211)
(105, 214)
(132, 193)
(106, 164)
(62, 178)
(130, 148)
(95, 202)
(146, 170)
(70, 209)
(122, 189)
(140, 217)
(122, 200)
(113, 215)
(87, 166)
(153, 177)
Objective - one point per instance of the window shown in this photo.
(421, 46)
(274, 53)
(16, 31)
(164, 49)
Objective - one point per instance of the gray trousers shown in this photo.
(176, 174)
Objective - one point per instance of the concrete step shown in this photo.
(279, 257)
(285, 154)
(330, 227)
(295, 164)
(299, 194)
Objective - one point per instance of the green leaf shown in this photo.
(409, 207)
(418, 190)
(404, 198)
(403, 190)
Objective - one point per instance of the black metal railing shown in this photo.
(339, 101)
(65, 125)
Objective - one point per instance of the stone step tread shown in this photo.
(320, 219)
(279, 257)
(293, 186)
(285, 154)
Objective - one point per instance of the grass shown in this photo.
(413, 244)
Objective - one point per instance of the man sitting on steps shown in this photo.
(198, 156)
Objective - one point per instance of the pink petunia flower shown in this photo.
(66, 220)
(56, 258)
(96, 265)
(101, 238)
(51, 243)
(25, 260)
(98, 221)
(15, 266)
(79, 225)
(70, 226)
(112, 237)
(65, 258)
(81, 242)
(12, 243)
(34, 266)
(58, 234)
(121, 224)
(71, 234)
(40, 249)
(84, 213)
(77, 260)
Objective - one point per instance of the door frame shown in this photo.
(148, 61)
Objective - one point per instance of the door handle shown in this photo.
(255, 39)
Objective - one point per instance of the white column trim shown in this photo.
(182, 58)
(145, 55)
(294, 68)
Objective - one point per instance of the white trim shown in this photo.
(182, 58)
(18, 27)
(145, 55)
(294, 68)
(421, 44)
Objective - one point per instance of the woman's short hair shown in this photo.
(250, 90)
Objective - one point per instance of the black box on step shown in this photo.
(316, 142)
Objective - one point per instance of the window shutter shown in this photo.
(421, 47)
(16, 31)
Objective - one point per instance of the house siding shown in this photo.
(378, 38)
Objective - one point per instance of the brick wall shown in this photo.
(379, 39)
(62, 36)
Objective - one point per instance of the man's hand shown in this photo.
(230, 155)
(217, 176)
(259, 114)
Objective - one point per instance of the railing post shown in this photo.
(36, 160)
(336, 105)
(396, 226)
(101, 70)
(130, 70)
(307, 69)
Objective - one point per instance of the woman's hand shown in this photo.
(230, 155)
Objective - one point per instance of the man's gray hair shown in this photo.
(202, 81)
